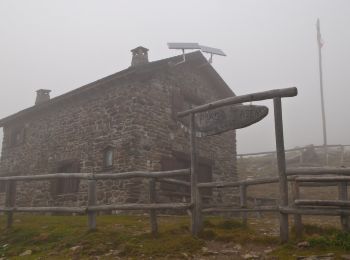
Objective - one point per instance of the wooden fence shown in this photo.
(92, 208)
(300, 150)
(284, 208)
(298, 178)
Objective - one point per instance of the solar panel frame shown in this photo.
(184, 45)
(212, 50)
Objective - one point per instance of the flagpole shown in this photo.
(319, 41)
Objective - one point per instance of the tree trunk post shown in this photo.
(92, 202)
(243, 202)
(301, 157)
(281, 164)
(195, 195)
(298, 224)
(343, 195)
(342, 152)
(10, 201)
(153, 214)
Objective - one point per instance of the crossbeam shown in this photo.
(284, 92)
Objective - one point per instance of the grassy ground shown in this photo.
(127, 237)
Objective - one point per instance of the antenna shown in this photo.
(212, 51)
(183, 46)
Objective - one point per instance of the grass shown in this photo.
(322, 240)
(53, 237)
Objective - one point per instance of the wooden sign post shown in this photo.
(281, 165)
(195, 196)
(221, 116)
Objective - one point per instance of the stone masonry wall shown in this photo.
(135, 116)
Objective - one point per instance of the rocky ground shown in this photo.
(127, 237)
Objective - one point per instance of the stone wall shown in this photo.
(135, 116)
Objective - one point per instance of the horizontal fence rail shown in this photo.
(323, 203)
(286, 92)
(318, 171)
(294, 149)
(92, 208)
(98, 176)
(84, 210)
(238, 183)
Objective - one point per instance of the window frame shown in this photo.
(109, 154)
(16, 136)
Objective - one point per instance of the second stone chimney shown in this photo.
(42, 95)
(139, 56)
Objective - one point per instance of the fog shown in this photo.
(62, 45)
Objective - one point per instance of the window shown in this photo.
(17, 136)
(108, 157)
(2, 186)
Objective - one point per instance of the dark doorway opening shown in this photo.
(66, 185)
(182, 161)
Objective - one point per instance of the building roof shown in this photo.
(195, 58)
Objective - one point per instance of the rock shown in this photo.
(27, 252)
(115, 252)
(229, 252)
(75, 249)
(329, 256)
(267, 251)
(206, 251)
(237, 247)
(303, 244)
(345, 257)
(250, 256)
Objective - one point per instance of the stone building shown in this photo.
(123, 122)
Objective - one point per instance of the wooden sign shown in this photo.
(227, 118)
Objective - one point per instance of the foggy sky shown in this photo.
(62, 45)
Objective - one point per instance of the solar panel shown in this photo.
(212, 50)
(183, 45)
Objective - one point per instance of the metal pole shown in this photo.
(319, 41)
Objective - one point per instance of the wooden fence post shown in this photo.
(281, 164)
(243, 202)
(298, 224)
(153, 199)
(301, 159)
(258, 203)
(10, 201)
(92, 202)
(343, 195)
(342, 152)
(195, 195)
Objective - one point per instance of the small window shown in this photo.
(2, 186)
(108, 157)
(17, 136)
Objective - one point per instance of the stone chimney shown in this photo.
(42, 95)
(139, 56)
